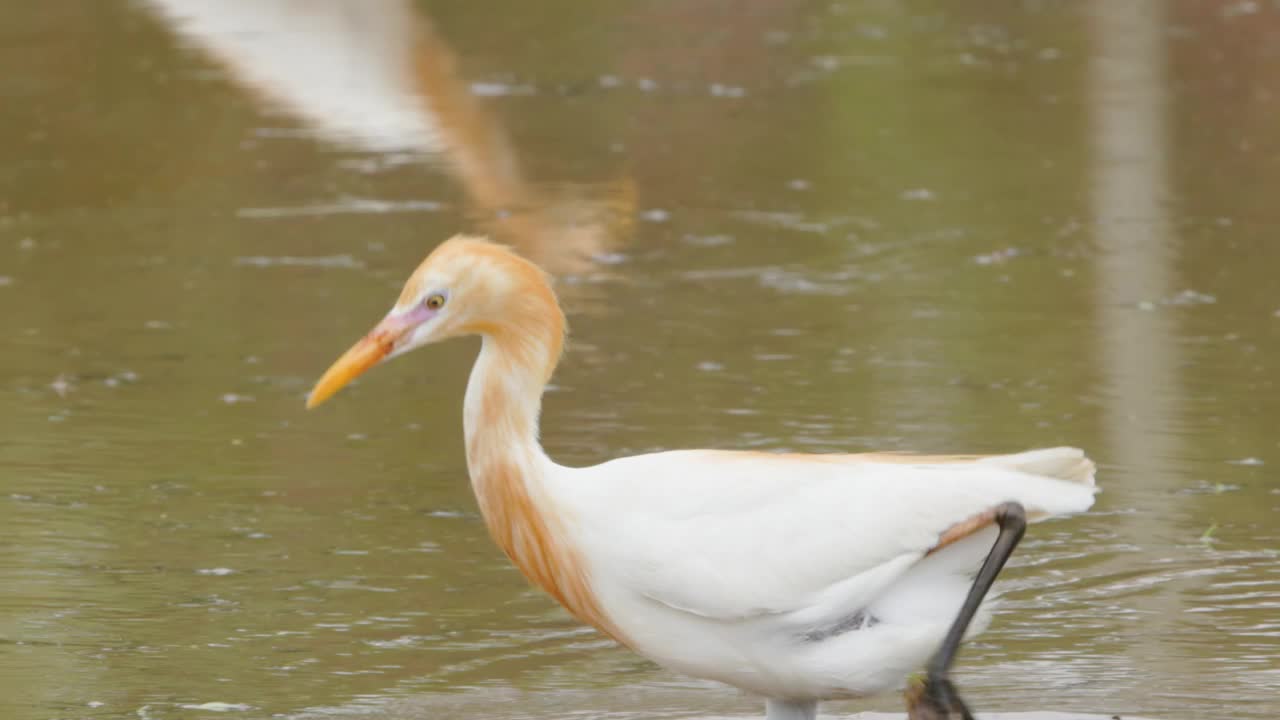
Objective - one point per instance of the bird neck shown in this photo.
(510, 472)
(504, 394)
(500, 417)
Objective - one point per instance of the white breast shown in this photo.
(796, 576)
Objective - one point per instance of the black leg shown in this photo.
(938, 697)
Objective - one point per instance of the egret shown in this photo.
(796, 577)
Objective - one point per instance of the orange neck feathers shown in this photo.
(508, 468)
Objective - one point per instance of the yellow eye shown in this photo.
(435, 302)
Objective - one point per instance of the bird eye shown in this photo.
(435, 302)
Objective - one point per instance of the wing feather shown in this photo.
(734, 536)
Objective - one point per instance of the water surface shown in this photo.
(776, 225)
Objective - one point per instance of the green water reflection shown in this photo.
(779, 225)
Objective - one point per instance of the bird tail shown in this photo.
(1060, 463)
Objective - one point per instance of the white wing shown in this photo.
(732, 536)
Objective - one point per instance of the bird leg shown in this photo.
(936, 698)
(790, 709)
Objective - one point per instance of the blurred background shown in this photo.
(775, 224)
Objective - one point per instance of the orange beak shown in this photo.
(367, 352)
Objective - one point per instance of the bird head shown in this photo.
(466, 286)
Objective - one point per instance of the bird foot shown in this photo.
(935, 698)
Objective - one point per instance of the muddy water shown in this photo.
(776, 225)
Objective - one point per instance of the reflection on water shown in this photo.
(381, 78)
(780, 225)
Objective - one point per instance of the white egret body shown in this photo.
(798, 577)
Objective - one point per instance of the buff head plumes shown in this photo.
(466, 286)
